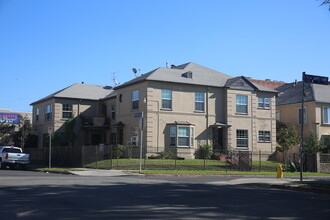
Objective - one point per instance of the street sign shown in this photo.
(50, 129)
(316, 79)
(138, 115)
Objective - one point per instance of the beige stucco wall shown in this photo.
(254, 121)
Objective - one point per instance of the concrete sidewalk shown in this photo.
(109, 173)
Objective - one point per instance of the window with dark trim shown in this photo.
(37, 114)
(66, 111)
(326, 115)
(182, 136)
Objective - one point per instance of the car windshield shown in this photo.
(12, 150)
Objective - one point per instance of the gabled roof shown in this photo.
(243, 83)
(80, 91)
(291, 93)
(200, 76)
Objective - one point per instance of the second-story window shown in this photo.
(264, 103)
(135, 100)
(166, 99)
(37, 114)
(66, 111)
(48, 112)
(199, 101)
(241, 104)
(113, 111)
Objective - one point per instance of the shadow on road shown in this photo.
(158, 201)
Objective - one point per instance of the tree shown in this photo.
(312, 143)
(286, 137)
(5, 131)
(25, 131)
(325, 2)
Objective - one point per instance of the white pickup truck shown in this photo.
(13, 157)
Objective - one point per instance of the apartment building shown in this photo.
(186, 106)
(79, 101)
(178, 108)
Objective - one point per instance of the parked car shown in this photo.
(13, 157)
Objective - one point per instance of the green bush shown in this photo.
(166, 154)
(118, 151)
(204, 152)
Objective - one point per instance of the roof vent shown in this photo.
(187, 75)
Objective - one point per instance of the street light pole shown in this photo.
(302, 128)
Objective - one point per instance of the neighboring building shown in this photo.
(183, 107)
(80, 101)
(268, 83)
(190, 105)
(316, 108)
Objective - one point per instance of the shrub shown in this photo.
(204, 152)
(166, 154)
(118, 151)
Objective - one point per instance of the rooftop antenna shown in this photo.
(115, 82)
(135, 71)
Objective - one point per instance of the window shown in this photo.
(264, 103)
(182, 136)
(305, 116)
(66, 111)
(264, 136)
(242, 138)
(113, 136)
(241, 104)
(113, 111)
(37, 114)
(173, 136)
(134, 136)
(48, 112)
(166, 99)
(326, 115)
(199, 101)
(135, 100)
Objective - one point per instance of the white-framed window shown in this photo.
(305, 116)
(199, 101)
(48, 112)
(264, 103)
(37, 113)
(134, 136)
(135, 99)
(66, 111)
(166, 99)
(264, 136)
(241, 104)
(242, 139)
(326, 115)
(113, 111)
(182, 136)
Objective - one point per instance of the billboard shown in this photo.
(9, 118)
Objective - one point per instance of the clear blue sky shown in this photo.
(48, 45)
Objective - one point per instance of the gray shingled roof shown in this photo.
(200, 76)
(80, 91)
(291, 93)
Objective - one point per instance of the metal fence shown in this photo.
(127, 158)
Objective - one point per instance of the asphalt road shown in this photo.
(34, 195)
